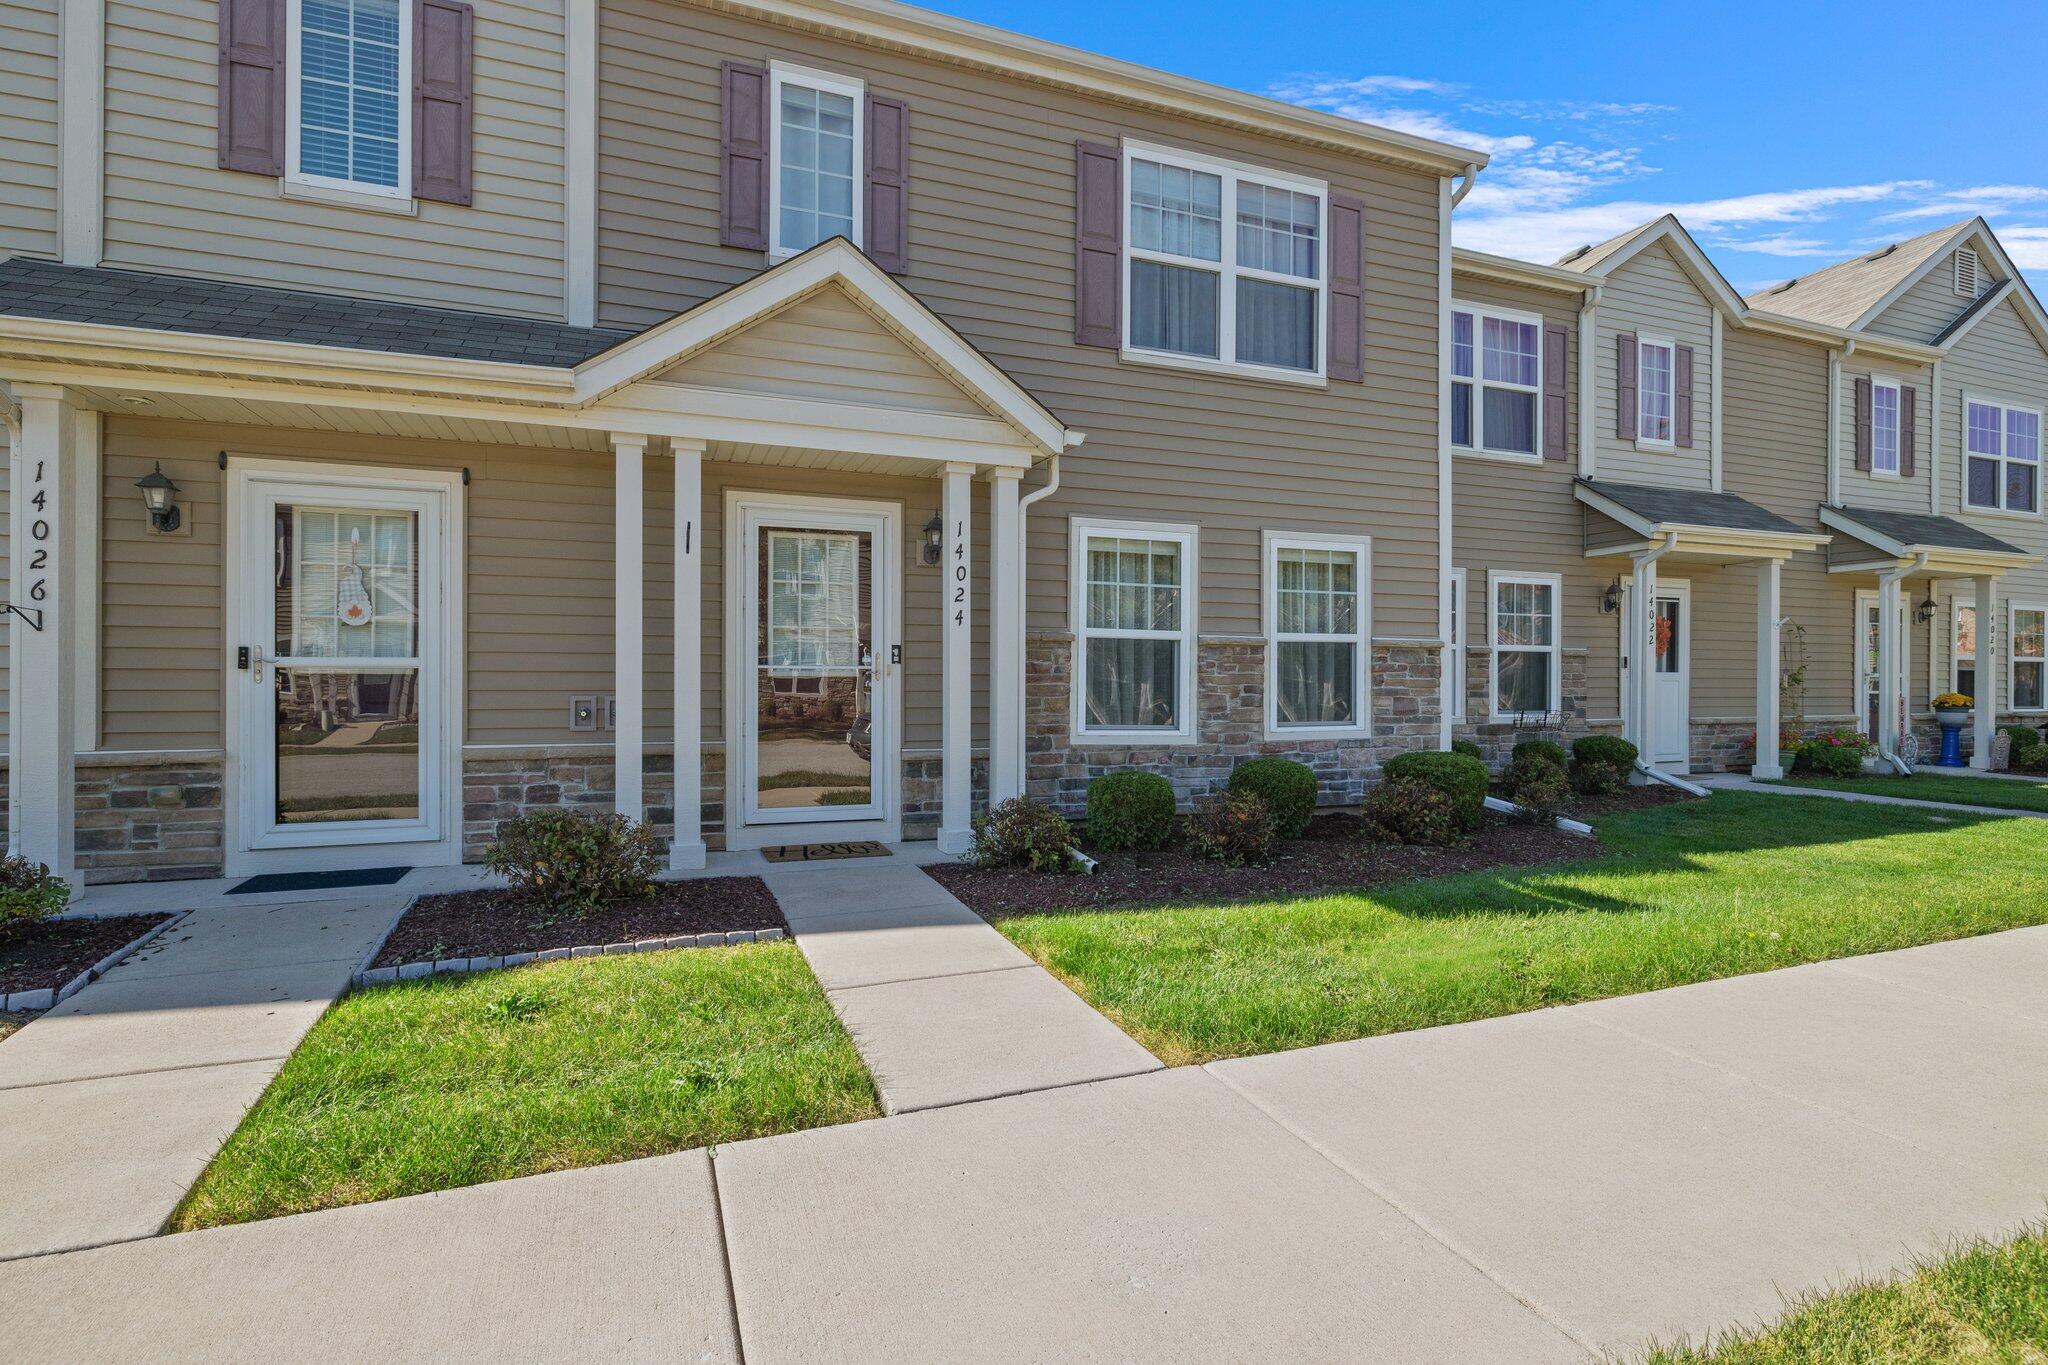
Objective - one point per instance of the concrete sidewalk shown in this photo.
(1554, 1186)
(943, 1008)
(114, 1102)
(1735, 782)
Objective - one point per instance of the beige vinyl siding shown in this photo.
(1932, 304)
(170, 207)
(1653, 296)
(6, 575)
(1522, 518)
(991, 251)
(1884, 493)
(28, 127)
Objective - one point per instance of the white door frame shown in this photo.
(745, 514)
(1866, 601)
(253, 840)
(1681, 589)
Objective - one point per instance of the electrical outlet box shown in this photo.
(583, 713)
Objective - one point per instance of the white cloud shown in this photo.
(2028, 246)
(1973, 201)
(1546, 234)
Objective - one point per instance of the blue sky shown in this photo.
(1787, 136)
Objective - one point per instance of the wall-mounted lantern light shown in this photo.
(1925, 611)
(934, 540)
(157, 492)
(1610, 600)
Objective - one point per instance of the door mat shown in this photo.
(317, 881)
(820, 853)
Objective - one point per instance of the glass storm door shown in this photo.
(336, 666)
(1671, 678)
(1867, 671)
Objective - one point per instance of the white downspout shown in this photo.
(1021, 740)
(1889, 686)
(1641, 658)
(1589, 309)
(1465, 185)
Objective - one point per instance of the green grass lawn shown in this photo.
(1987, 1303)
(2002, 793)
(1740, 882)
(428, 1085)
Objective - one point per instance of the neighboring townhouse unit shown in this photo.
(416, 405)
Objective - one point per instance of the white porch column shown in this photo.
(1005, 639)
(1768, 574)
(956, 789)
(1888, 663)
(1984, 721)
(686, 851)
(629, 749)
(1642, 650)
(42, 665)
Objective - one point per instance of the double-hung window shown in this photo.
(1884, 428)
(2028, 634)
(2002, 458)
(816, 135)
(1962, 673)
(1496, 381)
(1526, 654)
(1134, 595)
(349, 108)
(1318, 633)
(1224, 265)
(1655, 389)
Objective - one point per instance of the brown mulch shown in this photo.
(494, 923)
(46, 956)
(1629, 798)
(1327, 860)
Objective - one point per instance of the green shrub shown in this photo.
(1838, 753)
(28, 895)
(1605, 749)
(1597, 777)
(1129, 809)
(1458, 776)
(1023, 833)
(2035, 760)
(1408, 810)
(1548, 750)
(1235, 828)
(1288, 788)
(570, 863)
(1538, 786)
(2024, 739)
(1470, 747)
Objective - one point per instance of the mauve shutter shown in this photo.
(1909, 405)
(1863, 424)
(1681, 397)
(743, 140)
(443, 41)
(1098, 244)
(250, 105)
(888, 184)
(1625, 387)
(1557, 350)
(1347, 289)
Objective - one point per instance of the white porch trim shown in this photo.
(956, 779)
(42, 663)
(629, 730)
(686, 851)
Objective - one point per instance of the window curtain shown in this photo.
(1174, 309)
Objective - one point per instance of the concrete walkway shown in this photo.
(1552, 1186)
(1735, 782)
(943, 1008)
(114, 1102)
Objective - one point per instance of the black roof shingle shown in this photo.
(1920, 528)
(1693, 507)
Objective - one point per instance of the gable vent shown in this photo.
(1968, 281)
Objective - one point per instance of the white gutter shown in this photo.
(1888, 659)
(1465, 185)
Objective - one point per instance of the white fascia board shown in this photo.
(1506, 270)
(1705, 274)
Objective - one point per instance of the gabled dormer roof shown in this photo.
(1604, 258)
(1850, 294)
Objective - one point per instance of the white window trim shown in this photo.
(1958, 603)
(1361, 637)
(780, 73)
(2004, 405)
(2013, 657)
(1079, 530)
(1478, 449)
(402, 191)
(1461, 607)
(1495, 580)
(1644, 442)
(1898, 388)
(1227, 270)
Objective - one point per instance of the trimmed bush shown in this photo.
(1288, 788)
(2025, 739)
(28, 895)
(1549, 750)
(1839, 753)
(1605, 749)
(1407, 810)
(1468, 746)
(2034, 760)
(1461, 777)
(1236, 828)
(1597, 778)
(570, 863)
(1539, 786)
(1129, 809)
(1024, 833)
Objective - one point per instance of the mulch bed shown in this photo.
(1330, 858)
(494, 923)
(46, 956)
(1629, 798)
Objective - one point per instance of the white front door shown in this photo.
(812, 700)
(342, 737)
(1867, 672)
(1671, 678)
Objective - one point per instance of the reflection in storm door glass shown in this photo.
(348, 679)
(814, 649)
(1667, 635)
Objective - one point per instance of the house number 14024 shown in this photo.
(960, 574)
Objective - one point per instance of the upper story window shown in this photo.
(1496, 381)
(350, 108)
(1655, 391)
(817, 135)
(1134, 630)
(1884, 427)
(1317, 608)
(1224, 264)
(2002, 466)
